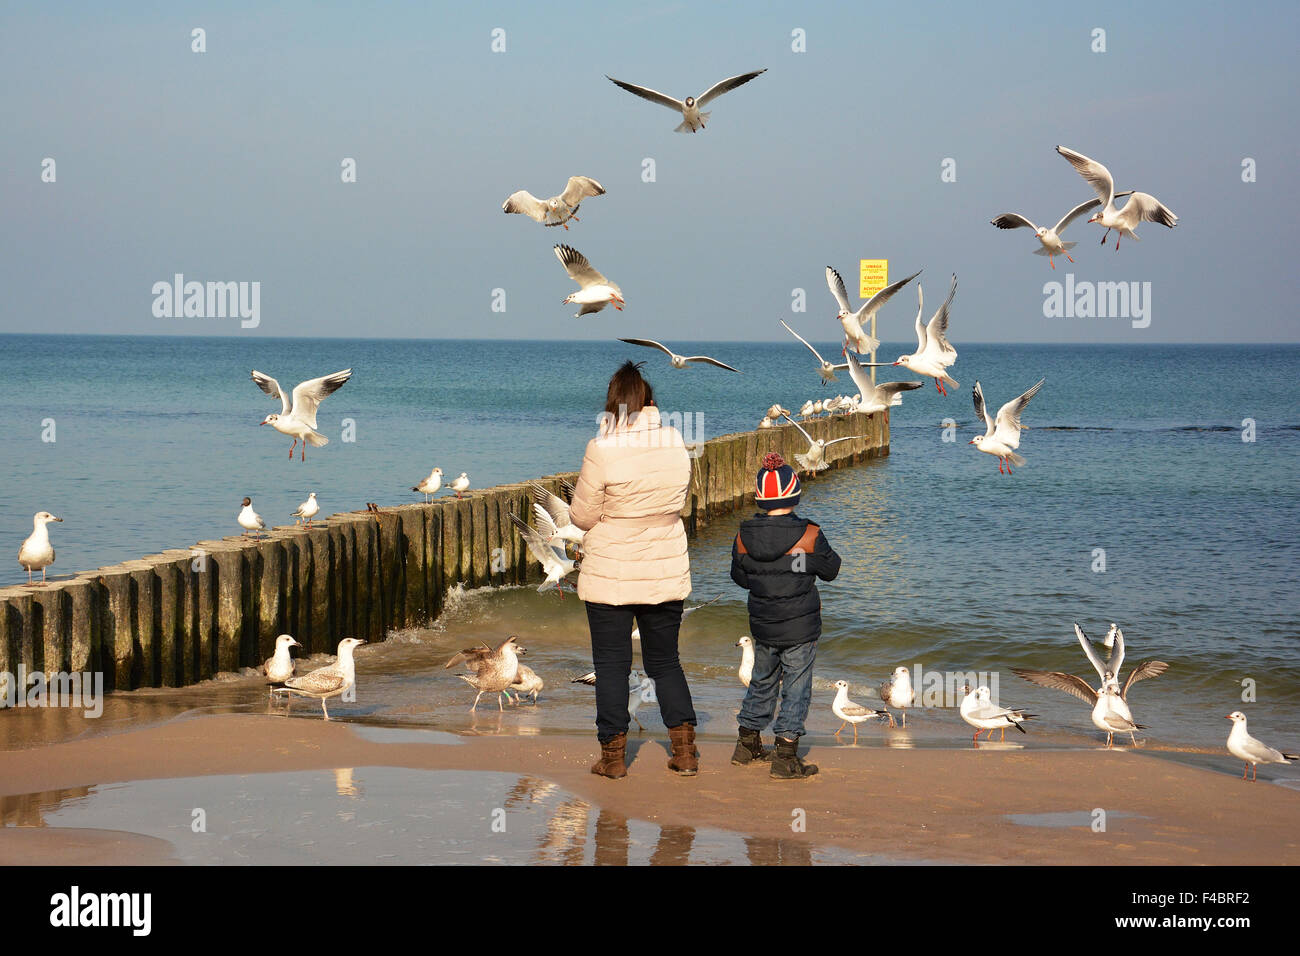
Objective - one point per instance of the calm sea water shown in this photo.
(947, 564)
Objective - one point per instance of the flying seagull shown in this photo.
(596, 291)
(558, 210)
(934, 353)
(1052, 245)
(814, 460)
(855, 335)
(678, 361)
(825, 369)
(1141, 207)
(1003, 435)
(876, 398)
(299, 419)
(692, 119)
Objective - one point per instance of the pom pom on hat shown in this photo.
(772, 461)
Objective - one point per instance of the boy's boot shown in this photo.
(749, 748)
(612, 754)
(786, 764)
(685, 761)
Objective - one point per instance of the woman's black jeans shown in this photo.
(611, 653)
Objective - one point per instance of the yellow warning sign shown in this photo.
(873, 275)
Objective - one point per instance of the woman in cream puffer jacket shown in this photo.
(635, 568)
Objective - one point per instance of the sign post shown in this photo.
(873, 275)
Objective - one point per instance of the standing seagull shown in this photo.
(250, 520)
(1141, 207)
(596, 291)
(558, 210)
(492, 671)
(826, 369)
(555, 564)
(814, 459)
(526, 682)
(692, 119)
(429, 486)
(897, 693)
(308, 509)
(678, 361)
(934, 353)
(1003, 435)
(977, 709)
(460, 484)
(330, 680)
(1052, 246)
(299, 420)
(1251, 750)
(279, 667)
(876, 398)
(855, 335)
(851, 713)
(746, 672)
(36, 551)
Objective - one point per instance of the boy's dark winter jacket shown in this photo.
(784, 606)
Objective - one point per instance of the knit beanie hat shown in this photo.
(777, 485)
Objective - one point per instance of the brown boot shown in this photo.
(685, 761)
(611, 763)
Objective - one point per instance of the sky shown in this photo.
(225, 165)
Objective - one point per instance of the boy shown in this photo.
(776, 556)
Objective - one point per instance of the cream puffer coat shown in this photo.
(629, 500)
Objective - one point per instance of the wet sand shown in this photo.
(868, 804)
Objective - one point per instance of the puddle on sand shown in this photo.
(1066, 818)
(404, 735)
(389, 815)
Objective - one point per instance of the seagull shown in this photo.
(556, 564)
(746, 672)
(300, 420)
(977, 710)
(692, 119)
(875, 398)
(1251, 750)
(765, 422)
(308, 509)
(526, 682)
(429, 486)
(36, 551)
(492, 670)
(679, 361)
(1003, 435)
(596, 291)
(1141, 207)
(250, 520)
(851, 713)
(552, 513)
(855, 336)
(826, 370)
(558, 210)
(278, 668)
(897, 693)
(814, 460)
(777, 411)
(1110, 710)
(934, 353)
(1052, 245)
(805, 411)
(330, 680)
(460, 484)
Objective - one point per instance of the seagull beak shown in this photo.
(898, 363)
(58, 519)
(1228, 717)
(971, 442)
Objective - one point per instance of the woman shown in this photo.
(634, 565)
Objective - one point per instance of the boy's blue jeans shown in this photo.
(787, 671)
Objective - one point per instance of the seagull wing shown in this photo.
(545, 524)
(883, 296)
(936, 332)
(1059, 681)
(1148, 208)
(845, 438)
(836, 285)
(981, 411)
(1116, 659)
(893, 388)
(1008, 430)
(650, 344)
(820, 360)
(1013, 220)
(654, 96)
(920, 329)
(537, 545)
(1097, 175)
(860, 377)
(472, 656)
(1142, 672)
(577, 266)
(588, 679)
(308, 395)
(692, 610)
(711, 361)
(725, 86)
(272, 388)
(1088, 649)
(526, 203)
(579, 188)
(555, 506)
(327, 680)
(1074, 214)
(800, 427)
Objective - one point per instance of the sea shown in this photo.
(1159, 492)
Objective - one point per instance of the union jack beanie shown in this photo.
(777, 485)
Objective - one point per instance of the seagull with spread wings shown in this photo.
(875, 398)
(558, 210)
(1003, 435)
(692, 119)
(552, 513)
(1052, 244)
(1140, 208)
(299, 418)
(825, 369)
(596, 291)
(855, 323)
(679, 361)
(934, 353)
(814, 460)
(556, 564)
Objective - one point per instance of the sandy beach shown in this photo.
(874, 805)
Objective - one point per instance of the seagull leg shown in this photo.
(843, 724)
(1067, 255)
(324, 709)
(1050, 261)
(499, 707)
(976, 737)
(1104, 235)
(304, 449)
(855, 733)
(1118, 235)
(293, 448)
(904, 718)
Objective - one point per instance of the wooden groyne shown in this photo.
(184, 615)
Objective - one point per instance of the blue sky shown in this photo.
(225, 165)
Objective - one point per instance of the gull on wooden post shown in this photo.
(37, 551)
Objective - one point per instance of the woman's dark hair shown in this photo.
(629, 392)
